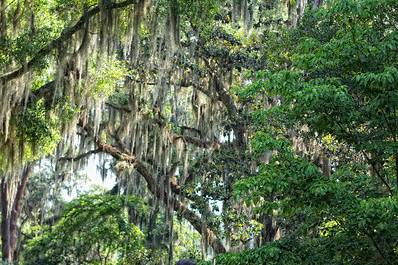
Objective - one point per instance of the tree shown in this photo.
(331, 179)
(93, 229)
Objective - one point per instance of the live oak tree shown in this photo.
(114, 78)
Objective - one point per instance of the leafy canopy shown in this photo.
(94, 229)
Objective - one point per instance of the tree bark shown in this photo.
(270, 229)
(5, 223)
(17, 207)
(10, 212)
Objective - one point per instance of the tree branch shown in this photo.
(65, 35)
(118, 107)
(377, 247)
(141, 167)
(80, 156)
(376, 170)
(232, 109)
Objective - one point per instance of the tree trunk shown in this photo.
(3, 19)
(10, 212)
(270, 229)
(5, 224)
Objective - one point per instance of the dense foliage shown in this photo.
(93, 229)
(339, 90)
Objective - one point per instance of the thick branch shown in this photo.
(188, 214)
(65, 35)
(229, 103)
